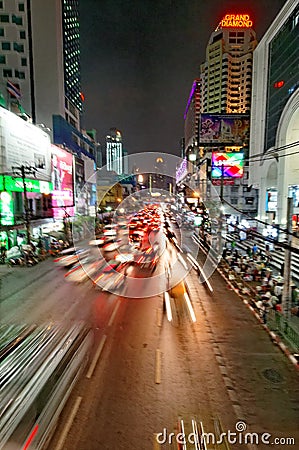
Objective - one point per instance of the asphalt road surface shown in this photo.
(146, 374)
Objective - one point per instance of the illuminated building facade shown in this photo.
(227, 72)
(274, 138)
(224, 89)
(114, 151)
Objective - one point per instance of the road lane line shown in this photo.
(191, 310)
(167, 306)
(159, 317)
(158, 367)
(96, 357)
(114, 313)
(68, 424)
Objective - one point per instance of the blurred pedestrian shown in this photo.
(254, 249)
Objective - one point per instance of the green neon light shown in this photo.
(8, 183)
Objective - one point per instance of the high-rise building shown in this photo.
(40, 55)
(227, 72)
(226, 80)
(114, 151)
(191, 117)
(274, 159)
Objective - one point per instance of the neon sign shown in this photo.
(236, 21)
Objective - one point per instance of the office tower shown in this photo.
(114, 151)
(40, 56)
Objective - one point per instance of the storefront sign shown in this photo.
(8, 183)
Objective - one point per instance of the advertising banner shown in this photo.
(23, 144)
(227, 165)
(181, 171)
(62, 180)
(271, 200)
(223, 129)
(6, 208)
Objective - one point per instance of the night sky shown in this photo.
(139, 59)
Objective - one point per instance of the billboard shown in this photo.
(23, 144)
(223, 129)
(62, 180)
(227, 165)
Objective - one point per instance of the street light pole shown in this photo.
(221, 212)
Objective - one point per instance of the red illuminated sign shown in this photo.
(236, 21)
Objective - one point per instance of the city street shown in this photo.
(147, 373)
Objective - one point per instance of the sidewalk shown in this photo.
(284, 333)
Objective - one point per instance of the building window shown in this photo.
(17, 20)
(7, 73)
(249, 200)
(18, 47)
(2, 59)
(23, 61)
(22, 34)
(1, 32)
(1, 4)
(21, 7)
(19, 74)
(4, 18)
(5, 45)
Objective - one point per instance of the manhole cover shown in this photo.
(272, 375)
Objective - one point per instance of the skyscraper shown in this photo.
(227, 72)
(191, 116)
(40, 55)
(114, 151)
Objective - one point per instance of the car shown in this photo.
(73, 258)
(148, 259)
(111, 277)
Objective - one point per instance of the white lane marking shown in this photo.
(159, 317)
(114, 313)
(182, 261)
(158, 367)
(96, 357)
(68, 424)
(191, 310)
(168, 307)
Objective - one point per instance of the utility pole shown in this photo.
(286, 294)
(221, 212)
(23, 171)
